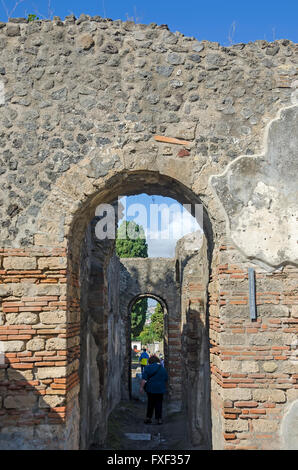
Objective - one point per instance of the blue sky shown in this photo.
(162, 229)
(215, 20)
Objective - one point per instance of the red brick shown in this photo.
(246, 404)
(10, 309)
(21, 366)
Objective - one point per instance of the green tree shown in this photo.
(138, 317)
(131, 243)
(147, 335)
(32, 17)
(157, 323)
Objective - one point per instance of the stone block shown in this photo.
(265, 426)
(230, 339)
(271, 339)
(54, 344)
(22, 374)
(85, 42)
(294, 311)
(19, 263)
(35, 344)
(236, 425)
(52, 262)
(290, 366)
(236, 394)
(292, 394)
(26, 401)
(13, 30)
(270, 366)
(52, 318)
(12, 346)
(250, 366)
(51, 401)
(23, 318)
(271, 395)
(183, 130)
(51, 372)
(230, 366)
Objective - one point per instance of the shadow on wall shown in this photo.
(33, 405)
(196, 377)
(102, 330)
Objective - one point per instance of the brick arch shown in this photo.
(133, 182)
(66, 215)
(147, 295)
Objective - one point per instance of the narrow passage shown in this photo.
(128, 418)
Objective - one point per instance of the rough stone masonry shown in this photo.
(92, 109)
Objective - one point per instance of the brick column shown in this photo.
(40, 343)
(254, 370)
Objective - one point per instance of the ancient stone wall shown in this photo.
(93, 109)
(253, 362)
(102, 351)
(192, 274)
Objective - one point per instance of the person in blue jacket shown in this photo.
(143, 360)
(155, 377)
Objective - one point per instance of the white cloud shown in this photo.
(162, 243)
(167, 224)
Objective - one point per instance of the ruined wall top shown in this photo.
(93, 94)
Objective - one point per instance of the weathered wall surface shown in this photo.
(84, 101)
(260, 196)
(75, 88)
(102, 350)
(193, 273)
(253, 363)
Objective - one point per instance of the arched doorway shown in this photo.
(154, 345)
(102, 374)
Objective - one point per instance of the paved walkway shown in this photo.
(128, 417)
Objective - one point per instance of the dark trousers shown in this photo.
(154, 404)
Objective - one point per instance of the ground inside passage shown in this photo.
(128, 418)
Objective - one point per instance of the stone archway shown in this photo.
(104, 386)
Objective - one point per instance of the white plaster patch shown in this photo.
(289, 428)
(259, 196)
(273, 233)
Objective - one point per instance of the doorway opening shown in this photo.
(98, 288)
(148, 333)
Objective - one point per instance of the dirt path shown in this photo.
(128, 417)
